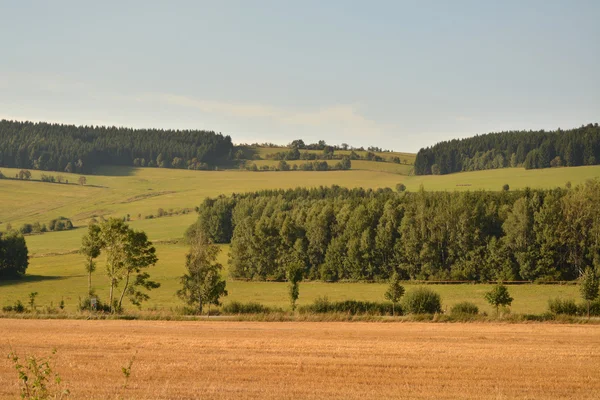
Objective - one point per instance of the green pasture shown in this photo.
(56, 271)
(62, 277)
(494, 179)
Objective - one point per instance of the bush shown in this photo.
(565, 307)
(464, 308)
(322, 305)
(85, 305)
(26, 229)
(60, 224)
(18, 307)
(594, 308)
(422, 301)
(236, 307)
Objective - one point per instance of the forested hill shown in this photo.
(57, 147)
(530, 149)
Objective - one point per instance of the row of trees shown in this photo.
(343, 165)
(55, 225)
(530, 149)
(357, 234)
(78, 149)
(327, 154)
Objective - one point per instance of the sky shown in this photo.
(394, 74)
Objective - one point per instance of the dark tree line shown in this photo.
(79, 149)
(530, 149)
(13, 255)
(358, 234)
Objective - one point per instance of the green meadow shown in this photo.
(56, 269)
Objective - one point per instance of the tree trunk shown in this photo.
(588, 304)
(200, 305)
(208, 310)
(393, 310)
(90, 278)
(112, 286)
(124, 289)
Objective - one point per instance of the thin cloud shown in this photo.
(343, 118)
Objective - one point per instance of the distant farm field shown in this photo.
(303, 360)
(408, 158)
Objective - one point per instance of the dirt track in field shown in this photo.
(305, 360)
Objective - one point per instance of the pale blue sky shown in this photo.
(396, 74)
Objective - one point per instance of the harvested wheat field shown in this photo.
(219, 360)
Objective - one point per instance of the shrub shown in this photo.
(464, 308)
(18, 307)
(86, 305)
(422, 301)
(594, 308)
(560, 306)
(322, 305)
(236, 307)
(26, 229)
(60, 224)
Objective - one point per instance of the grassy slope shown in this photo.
(121, 190)
(517, 178)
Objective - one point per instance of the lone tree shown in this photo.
(294, 274)
(499, 296)
(589, 287)
(82, 180)
(91, 245)
(401, 187)
(202, 284)
(395, 291)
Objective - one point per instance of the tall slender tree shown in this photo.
(91, 246)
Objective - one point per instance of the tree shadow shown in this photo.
(30, 279)
(114, 170)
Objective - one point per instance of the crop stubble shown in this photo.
(307, 360)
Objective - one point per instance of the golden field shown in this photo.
(305, 360)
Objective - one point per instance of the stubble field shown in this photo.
(303, 360)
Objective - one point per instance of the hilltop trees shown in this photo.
(202, 283)
(79, 149)
(531, 149)
(13, 255)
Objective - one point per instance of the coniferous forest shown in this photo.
(356, 234)
(79, 149)
(530, 149)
